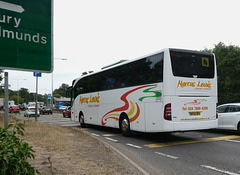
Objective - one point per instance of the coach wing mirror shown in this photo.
(69, 91)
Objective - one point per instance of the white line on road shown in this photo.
(236, 141)
(218, 170)
(135, 146)
(166, 155)
(111, 139)
(132, 162)
(95, 134)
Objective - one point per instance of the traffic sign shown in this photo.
(37, 74)
(26, 35)
(49, 95)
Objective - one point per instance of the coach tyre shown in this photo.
(125, 126)
(81, 120)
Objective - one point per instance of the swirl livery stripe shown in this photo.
(136, 116)
(125, 106)
(132, 109)
(111, 116)
(157, 94)
(195, 102)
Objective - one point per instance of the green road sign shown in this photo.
(49, 101)
(26, 35)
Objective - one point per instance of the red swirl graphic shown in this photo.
(126, 106)
(196, 102)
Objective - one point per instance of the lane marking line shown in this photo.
(95, 134)
(110, 135)
(236, 141)
(166, 155)
(219, 170)
(158, 145)
(111, 139)
(135, 146)
(124, 156)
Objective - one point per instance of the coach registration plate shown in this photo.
(194, 113)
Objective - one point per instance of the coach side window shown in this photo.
(124, 76)
(155, 68)
(149, 70)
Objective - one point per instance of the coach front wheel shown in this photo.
(125, 126)
(81, 120)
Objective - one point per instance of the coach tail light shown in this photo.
(168, 112)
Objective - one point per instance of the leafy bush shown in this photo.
(14, 152)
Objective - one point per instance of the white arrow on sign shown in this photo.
(11, 7)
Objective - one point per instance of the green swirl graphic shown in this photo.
(157, 94)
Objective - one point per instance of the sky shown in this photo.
(91, 34)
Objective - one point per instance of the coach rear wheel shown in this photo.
(125, 126)
(81, 120)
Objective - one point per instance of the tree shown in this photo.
(15, 98)
(228, 66)
(24, 94)
(43, 98)
(61, 91)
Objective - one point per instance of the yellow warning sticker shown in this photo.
(205, 62)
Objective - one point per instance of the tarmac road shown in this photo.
(212, 152)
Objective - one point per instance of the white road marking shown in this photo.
(135, 146)
(219, 170)
(111, 139)
(166, 155)
(95, 135)
(236, 141)
(132, 162)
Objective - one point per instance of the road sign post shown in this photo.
(36, 74)
(5, 99)
(36, 99)
(26, 35)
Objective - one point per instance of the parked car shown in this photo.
(67, 112)
(14, 109)
(46, 110)
(22, 107)
(62, 108)
(229, 116)
(30, 112)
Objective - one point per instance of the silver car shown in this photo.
(30, 112)
(229, 116)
